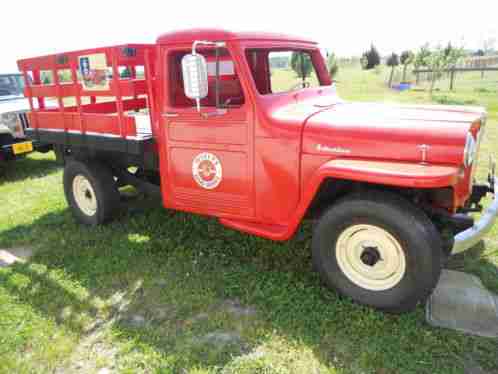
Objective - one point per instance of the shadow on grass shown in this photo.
(171, 268)
(32, 166)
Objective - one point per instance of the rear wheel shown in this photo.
(91, 192)
(378, 249)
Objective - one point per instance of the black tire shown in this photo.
(103, 191)
(417, 237)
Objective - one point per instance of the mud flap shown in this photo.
(461, 302)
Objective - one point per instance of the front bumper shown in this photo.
(470, 237)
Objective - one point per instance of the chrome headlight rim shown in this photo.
(470, 150)
(11, 122)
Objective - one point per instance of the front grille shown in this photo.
(24, 120)
(480, 136)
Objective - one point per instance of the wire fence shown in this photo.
(475, 73)
(459, 78)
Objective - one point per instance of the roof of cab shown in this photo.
(191, 35)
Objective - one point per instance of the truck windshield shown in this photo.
(11, 85)
(277, 71)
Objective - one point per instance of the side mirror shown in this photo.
(195, 77)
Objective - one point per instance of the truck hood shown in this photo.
(431, 133)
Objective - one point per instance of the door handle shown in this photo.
(170, 114)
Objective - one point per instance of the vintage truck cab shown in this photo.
(216, 127)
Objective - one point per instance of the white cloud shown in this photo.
(348, 26)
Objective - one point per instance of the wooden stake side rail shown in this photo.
(85, 122)
(128, 87)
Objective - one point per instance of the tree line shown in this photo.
(437, 59)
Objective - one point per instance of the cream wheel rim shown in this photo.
(370, 257)
(84, 195)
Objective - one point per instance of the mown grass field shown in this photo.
(166, 292)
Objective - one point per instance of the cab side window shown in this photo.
(230, 89)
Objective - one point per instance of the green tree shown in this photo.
(332, 65)
(392, 61)
(370, 58)
(125, 73)
(64, 75)
(406, 59)
(301, 64)
(421, 56)
(440, 59)
(46, 77)
(488, 45)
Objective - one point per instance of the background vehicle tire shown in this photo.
(90, 191)
(45, 148)
(378, 249)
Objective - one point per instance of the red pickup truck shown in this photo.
(208, 120)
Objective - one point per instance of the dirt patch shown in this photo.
(221, 338)
(93, 355)
(235, 308)
(13, 255)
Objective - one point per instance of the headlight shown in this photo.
(9, 120)
(12, 122)
(470, 150)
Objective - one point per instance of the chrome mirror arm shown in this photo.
(194, 52)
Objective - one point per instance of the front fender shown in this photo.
(401, 174)
(388, 173)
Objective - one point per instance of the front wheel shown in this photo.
(378, 249)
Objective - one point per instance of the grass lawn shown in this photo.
(165, 292)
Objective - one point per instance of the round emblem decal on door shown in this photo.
(206, 169)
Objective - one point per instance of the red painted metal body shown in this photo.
(275, 150)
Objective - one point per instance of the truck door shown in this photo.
(209, 155)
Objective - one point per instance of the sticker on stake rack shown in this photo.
(206, 170)
(93, 69)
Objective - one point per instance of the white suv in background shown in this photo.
(13, 119)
